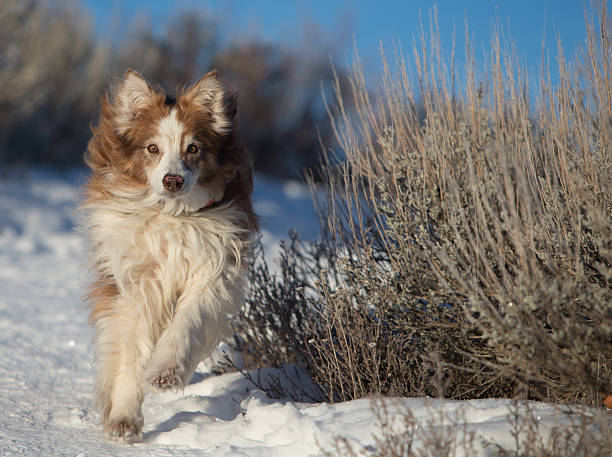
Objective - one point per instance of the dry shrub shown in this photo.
(467, 254)
(404, 435)
(273, 327)
(398, 433)
(51, 75)
(585, 434)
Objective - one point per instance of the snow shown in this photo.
(46, 352)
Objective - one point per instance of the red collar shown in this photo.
(210, 203)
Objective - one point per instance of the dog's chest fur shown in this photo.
(154, 257)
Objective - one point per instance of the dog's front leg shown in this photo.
(122, 347)
(199, 323)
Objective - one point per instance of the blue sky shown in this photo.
(529, 23)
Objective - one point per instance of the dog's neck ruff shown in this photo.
(135, 201)
(177, 207)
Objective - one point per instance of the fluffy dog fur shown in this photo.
(169, 218)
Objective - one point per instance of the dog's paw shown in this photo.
(124, 430)
(168, 378)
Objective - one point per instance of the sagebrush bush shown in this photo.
(399, 433)
(468, 244)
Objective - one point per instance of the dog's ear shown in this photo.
(210, 94)
(132, 94)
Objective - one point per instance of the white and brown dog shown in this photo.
(169, 217)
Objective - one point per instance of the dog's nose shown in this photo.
(173, 183)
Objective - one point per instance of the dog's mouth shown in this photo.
(173, 194)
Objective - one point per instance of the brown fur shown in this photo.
(120, 155)
(121, 166)
(228, 164)
(100, 296)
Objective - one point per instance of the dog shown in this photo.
(167, 210)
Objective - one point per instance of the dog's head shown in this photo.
(182, 149)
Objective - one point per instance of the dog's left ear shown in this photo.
(210, 93)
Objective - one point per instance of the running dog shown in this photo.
(168, 214)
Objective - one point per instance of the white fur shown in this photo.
(209, 91)
(133, 94)
(168, 139)
(221, 123)
(178, 275)
(191, 197)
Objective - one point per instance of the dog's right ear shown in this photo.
(132, 94)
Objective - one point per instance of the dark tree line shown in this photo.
(53, 70)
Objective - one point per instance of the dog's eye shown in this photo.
(153, 149)
(192, 149)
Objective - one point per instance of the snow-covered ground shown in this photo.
(46, 404)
